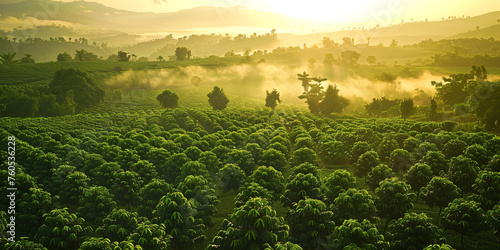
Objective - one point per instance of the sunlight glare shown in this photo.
(320, 10)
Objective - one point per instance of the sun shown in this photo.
(324, 10)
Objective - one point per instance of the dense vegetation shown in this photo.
(115, 184)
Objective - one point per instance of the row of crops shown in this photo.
(153, 179)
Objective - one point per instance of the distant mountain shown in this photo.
(96, 15)
(489, 32)
(413, 32)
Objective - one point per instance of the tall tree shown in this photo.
(182, 54)
(168, 99)
(123, 56)
(333, 102)
(8, 58)
(217, 99)
(87, 92)
(272, 98)
(407, 109)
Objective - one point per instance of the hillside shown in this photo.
(489, 32)
(99, 16)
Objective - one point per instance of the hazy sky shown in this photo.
(327, 10)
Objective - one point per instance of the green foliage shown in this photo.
(197, 189)
(386, 147)
(86, 92)
(493, 220)
(439, 191)
(463, 217)
(126, 187)
(64, 57)
(407, 108)
(273, 158)
(487, 186)
(251, 190)
(381, 107)
(394, 199)
(178, 215)
(182, 54)
(95, 204)
(333, 152)
(438, 247)
(454, 148)
(61, 230)
(355, 235)
(150, 236)
(32, 206)
(359, 148)
(452, 90)
(333, 102)
(484, 102)
(305, 168)
(418, 177)
(103, 175)
(269, 178)
(243, 159)
(250, 226)
(378, 174)
(354, 204)
(400, 160)
(413, 231)
(310, 224)
(118, 225)
(437, 161)
(477, 153)
(463, 172)
(217, 99)
(338, 182)
(303, 155)
(302, 186)
(23, 243)
(168, 99)
(366, 162)
(123, 56)
(231, 176)
(272, 98)
(151, 194)
(494, 164)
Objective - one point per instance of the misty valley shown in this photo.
(248, 125)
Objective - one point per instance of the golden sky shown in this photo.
(339, 11)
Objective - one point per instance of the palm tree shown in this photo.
(8, 58)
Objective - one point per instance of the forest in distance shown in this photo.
(220, 132)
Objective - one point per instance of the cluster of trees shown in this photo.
(70, 91)
(472, 91)
(326, 102)
(148, 179)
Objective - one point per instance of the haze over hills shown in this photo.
(94, 15)
(146, 33)
(97, 16)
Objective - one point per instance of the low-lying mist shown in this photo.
(252, 80)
